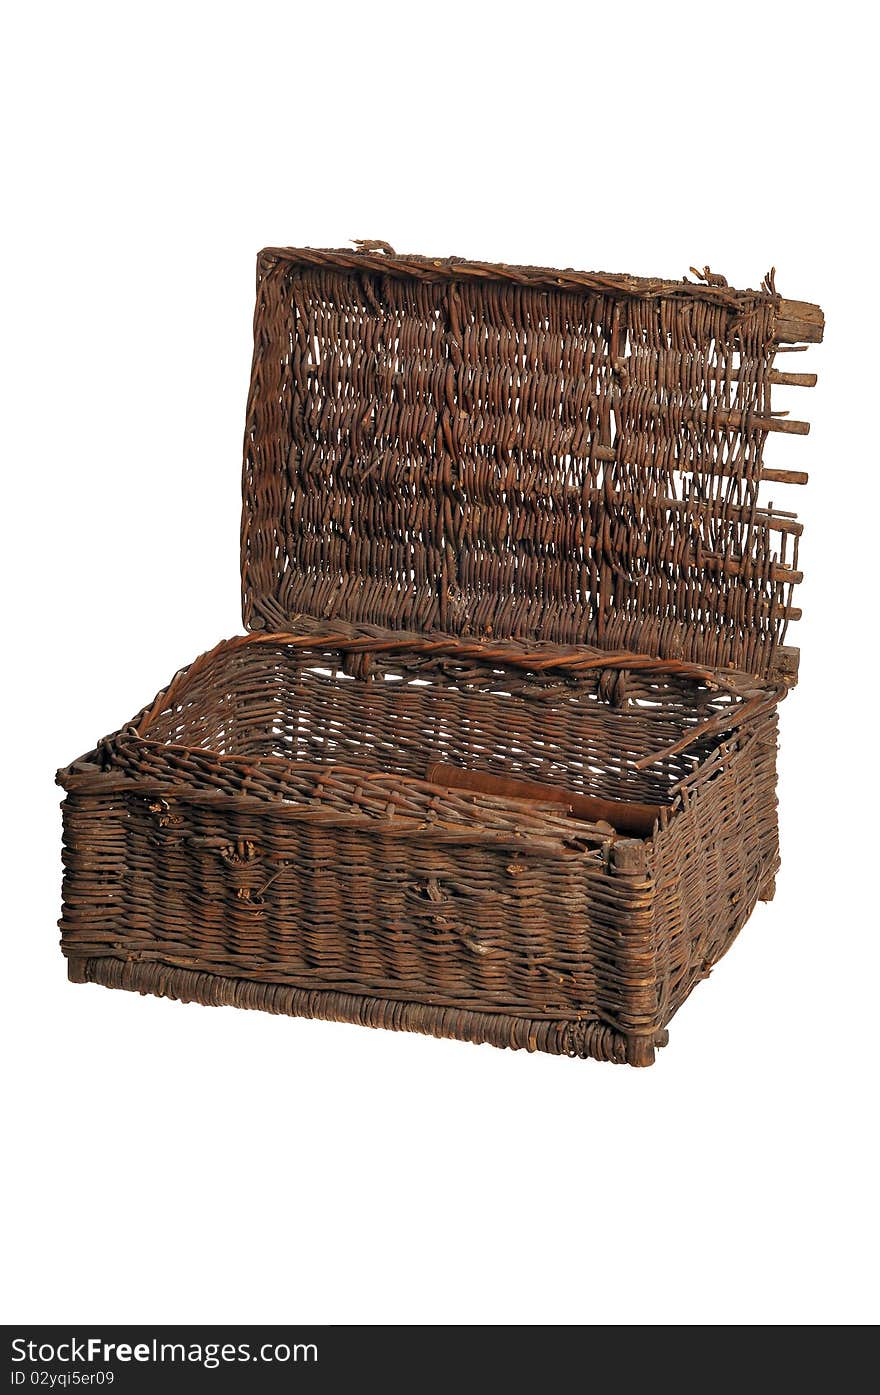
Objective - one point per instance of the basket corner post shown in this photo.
(77, 969)
(639, 1024)
(642, 1047)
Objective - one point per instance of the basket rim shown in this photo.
(797, 321)
(748, 703)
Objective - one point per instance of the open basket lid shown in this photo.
(522, 454)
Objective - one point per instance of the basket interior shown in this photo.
(586, 733)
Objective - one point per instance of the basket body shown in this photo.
(263, 835)
(501, 518)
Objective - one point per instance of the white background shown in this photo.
(177, 1163)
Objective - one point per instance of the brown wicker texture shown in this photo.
(459, 511)
(517, 452)
(266, 821)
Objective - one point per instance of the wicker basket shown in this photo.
(505, 519)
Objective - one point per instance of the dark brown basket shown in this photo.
(505, 519)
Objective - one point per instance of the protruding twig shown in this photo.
(712, 278)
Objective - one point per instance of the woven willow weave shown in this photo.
(493, 457)
(505, 519)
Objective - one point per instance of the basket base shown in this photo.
(577, 1038)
